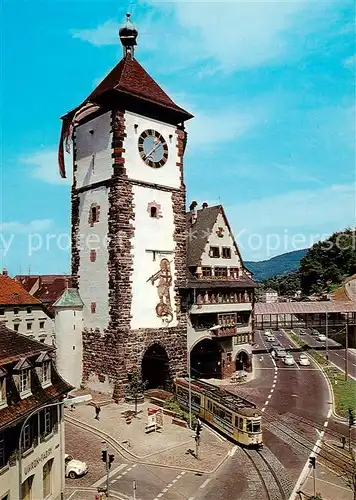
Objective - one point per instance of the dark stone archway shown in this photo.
(243, 361)
(205, 359)
(155, 368)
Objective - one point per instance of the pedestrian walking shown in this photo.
(97, 411)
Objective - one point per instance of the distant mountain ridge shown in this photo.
(276, 266)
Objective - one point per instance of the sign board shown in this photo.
(159, 418)
(38, 460)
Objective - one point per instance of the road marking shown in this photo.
(305, 472)
(273, 386)
(266, 403)
(169, 485)
(129, 469)
(119, 477)
(205, 483)
(165, 490)
(233, 451)
(272, 390)
(183, 472)
(269, 396)
(160, 495)
(112, 473)
(332, 484)
(174, 481)
(125, 472)
(114, 481)
(326, 423)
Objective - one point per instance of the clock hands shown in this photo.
(149, 155)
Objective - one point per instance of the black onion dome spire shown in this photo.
(128, 35)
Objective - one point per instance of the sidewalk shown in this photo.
(167, 446)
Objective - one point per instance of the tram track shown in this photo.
(268, 476)
(334, 459)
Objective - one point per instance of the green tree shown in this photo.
(135, 387)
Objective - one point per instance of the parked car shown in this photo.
(288, 360)
(302, 332)
(74, 468)
(304, 360)
(321, 337)
(314, 332)
(280, 352)
(267, 333)
(270, 337)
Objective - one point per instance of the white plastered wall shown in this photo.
(169, 174)
(151, 234)
(93, 144)
(226, 241)
(93, 276)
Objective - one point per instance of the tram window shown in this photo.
(228, 417)
(210, 405)
(241, 423)
(256, 426)
(196, 399)
(237, 421)
(249, 426)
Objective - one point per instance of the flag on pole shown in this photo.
(67, 133)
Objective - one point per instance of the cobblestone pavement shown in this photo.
(167, 446)
(84, 446)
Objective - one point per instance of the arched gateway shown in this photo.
(155, 368)
(243, 361)
(205, 359)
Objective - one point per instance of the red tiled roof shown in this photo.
(26, 281)
(129, 77)
(13, 293)
(14, 346)
(51, 286)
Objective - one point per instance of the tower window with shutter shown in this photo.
(93, 307)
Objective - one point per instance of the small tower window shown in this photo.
(92, 255)
(94, 213)
(93, 307)
(154, 210)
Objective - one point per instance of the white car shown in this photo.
(74, 468)
(304, 360)
(288, 360)
(321, 337)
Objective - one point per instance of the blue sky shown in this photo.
(271, 85)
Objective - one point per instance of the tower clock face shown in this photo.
(153, 148)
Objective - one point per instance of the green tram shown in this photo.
(232, 415)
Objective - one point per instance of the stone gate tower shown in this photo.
(128, 226)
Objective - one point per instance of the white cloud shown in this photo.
(350, 62)
(104, 34)
(276, 224)
(211, 129)
(44, 166)
(233, 34)
(35, 226)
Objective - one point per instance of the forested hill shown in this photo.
(276, 266)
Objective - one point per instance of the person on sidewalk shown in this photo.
(97, 411)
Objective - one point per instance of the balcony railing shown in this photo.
(224, 330)
(223, 298)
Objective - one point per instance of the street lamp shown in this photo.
(189, 388)
(58, 404)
